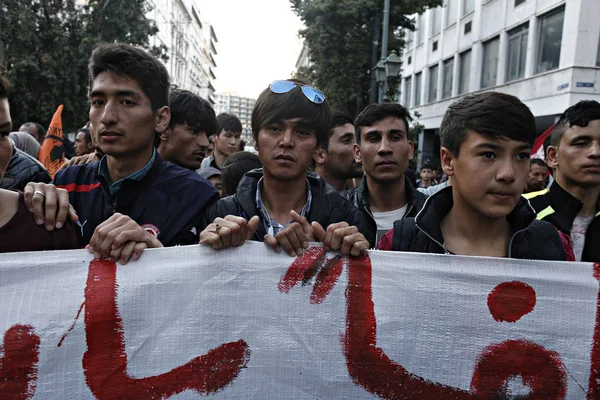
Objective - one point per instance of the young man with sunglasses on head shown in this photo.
(185, 141)
(486, 144)
(282, 204)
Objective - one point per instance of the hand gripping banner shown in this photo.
(246, 323)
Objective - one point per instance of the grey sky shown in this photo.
(258, 43)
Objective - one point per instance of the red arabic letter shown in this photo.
(105, 361)
(18, 366)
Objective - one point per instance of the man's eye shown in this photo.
(488, 155)
(4, 134)
(97, 102)
(303, 133)
(580, 144)
(274, 128)
(128, 102)
(523, 156)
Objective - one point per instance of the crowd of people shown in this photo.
(156, 167)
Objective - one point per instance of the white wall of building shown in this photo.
(191, 45)
(575, 77)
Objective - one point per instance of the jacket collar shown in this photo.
(563, 202)
(409, 192)
(438, 205)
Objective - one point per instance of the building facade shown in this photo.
(191, 45)
(240, 107)
(546, 52)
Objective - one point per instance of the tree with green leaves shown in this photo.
(340, 35)
(46, 47)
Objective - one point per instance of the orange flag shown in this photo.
(52, 152)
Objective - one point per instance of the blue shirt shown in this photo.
(273, 227)
(136, 176)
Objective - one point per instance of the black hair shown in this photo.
(4, 84)
(86, 134)
(276, 107)
(580, 114)
(538, 161)
(374, 113)
(427, 166)
(191, 109)
(228, 122)
(338, 119)
(234, 168)
(491, 114)
(125, 60)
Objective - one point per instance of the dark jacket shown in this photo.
(327, 206)
(531, 239)
(169, 201)
(23, 169)
(359, 196)
(560, 208)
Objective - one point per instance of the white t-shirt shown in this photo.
(385, 220)
(580, 225)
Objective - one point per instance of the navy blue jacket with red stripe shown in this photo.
(169, 201)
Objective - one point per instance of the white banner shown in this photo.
(246, 323)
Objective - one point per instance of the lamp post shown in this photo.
(388, 66)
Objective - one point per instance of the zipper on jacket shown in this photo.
(511, 241)
(432, 239)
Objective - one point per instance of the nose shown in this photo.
(595, 149)
(109, 114)
(384, 146)
(287, 138)
(506, 171)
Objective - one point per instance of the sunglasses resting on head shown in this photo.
(312, 94)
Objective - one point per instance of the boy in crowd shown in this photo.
(131, 199)
(282, 204)
(334, 160)
(226, 140)
(572, 203)
(486, 144)
(185, 141)
(426, 177)
(384, 149)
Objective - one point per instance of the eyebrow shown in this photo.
(581, 137)
(499, 147)
(118, 93)
(347, 134)
(375, 131)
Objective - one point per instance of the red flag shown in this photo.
(538, 145)
(52, 152)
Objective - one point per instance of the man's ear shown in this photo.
(164, 135)
(356, 150)
(320, 156)
(162, 119)
(411, 147)
(447, 160)
(552, 157)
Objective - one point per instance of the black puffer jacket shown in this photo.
(359, 196)
(532, 239)
(23, 169)
(327, 206)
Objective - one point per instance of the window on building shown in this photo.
(451, 8)
(464, 75)
(417, 101)
(434, 46)
(468, 27)
(468, 6)
(420, 29)
(517, 52)
(490, 63)
(433, 84)
(409, 60)
(447, 83)
(598, 55)
(551, 28)
(519, 2)
(407, 87)
(436, 21)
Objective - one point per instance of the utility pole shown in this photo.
(384, 42)
(373, 93)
